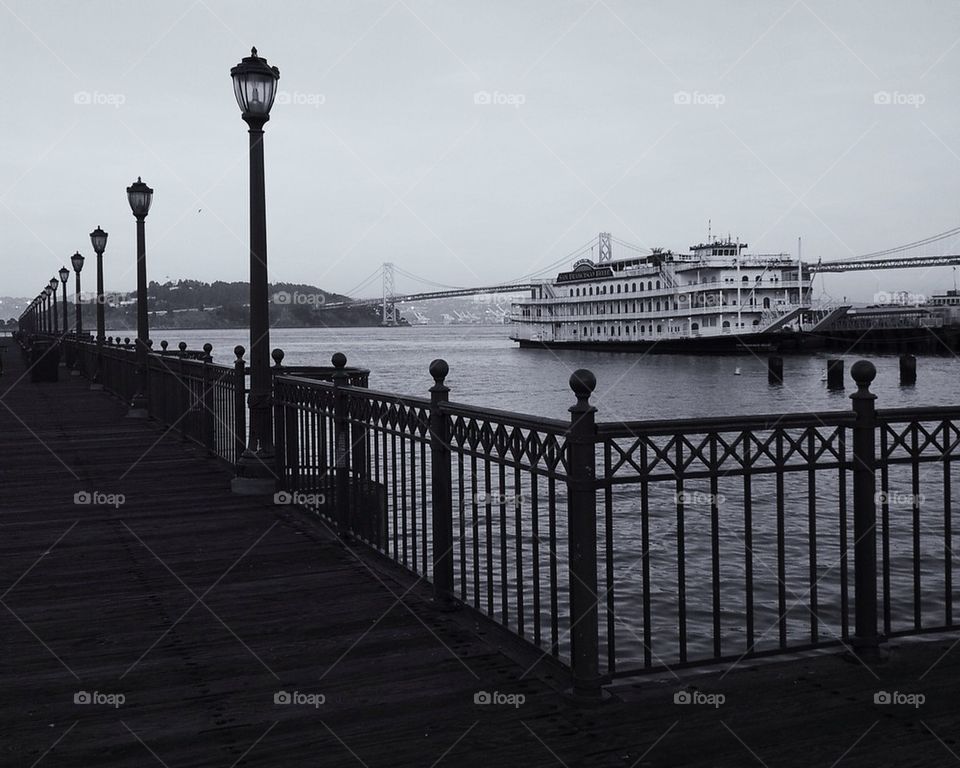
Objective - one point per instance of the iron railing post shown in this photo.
(582, 539)
(341, 436)
(184, 390)
(442, 486)
(206, 395)
(279, 423)
(239, 402)
(865, 638)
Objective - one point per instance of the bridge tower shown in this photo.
(389, 316)
(605, 250)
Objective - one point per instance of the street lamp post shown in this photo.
(98, 239)
(53, 285)
(64, 274)
(255, 86)
(77, 261)
(140, 196)
(45, 298)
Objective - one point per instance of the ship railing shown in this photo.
(644, 545)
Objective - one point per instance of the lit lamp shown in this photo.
(255, 86)
(140, 196)
(98, 238)
(77, 261)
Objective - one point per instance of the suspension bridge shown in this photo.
(911, 255)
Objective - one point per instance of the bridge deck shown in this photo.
(198, 606)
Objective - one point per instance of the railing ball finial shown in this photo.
(126, 341)
(163, 345)
(439, 370)
(277, 356)
(863, 373)
(207, 349)
(239, 352)
(182, 346)
(339, 360)
(583, 382)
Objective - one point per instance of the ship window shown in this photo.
(695, 327)
(746, 279)
(591, 290)
(643, 329)
(756, 322)
(634, 287)
(628, 330)
(658, 285)
(618, 288)
(658, 306)
(649, 285)
(726, 323)
(598, 330)
(659, 329)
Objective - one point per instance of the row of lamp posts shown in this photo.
(254, 85)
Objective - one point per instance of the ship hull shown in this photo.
(755, 343)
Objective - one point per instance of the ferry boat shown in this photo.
(716, 298)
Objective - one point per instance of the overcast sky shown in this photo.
(477, 142)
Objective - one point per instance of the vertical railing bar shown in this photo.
(812, 534)
(715, 541)
(681, 552)
(915, 516)
(748, 538)
(608, 555)
(645, 544)
(781, 544)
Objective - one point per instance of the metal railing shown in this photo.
(614, 548)
(619, 548)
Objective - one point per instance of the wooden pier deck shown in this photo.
(198, 607)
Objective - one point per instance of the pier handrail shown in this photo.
(615, 548)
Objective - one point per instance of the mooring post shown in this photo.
(908, 370)
(775, 369)
(341, 436)
(865, 639)
(582, 539)
(442, 486)
(835, 373)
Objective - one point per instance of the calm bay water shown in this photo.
(486, 368)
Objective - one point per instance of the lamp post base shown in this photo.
(254, 476)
